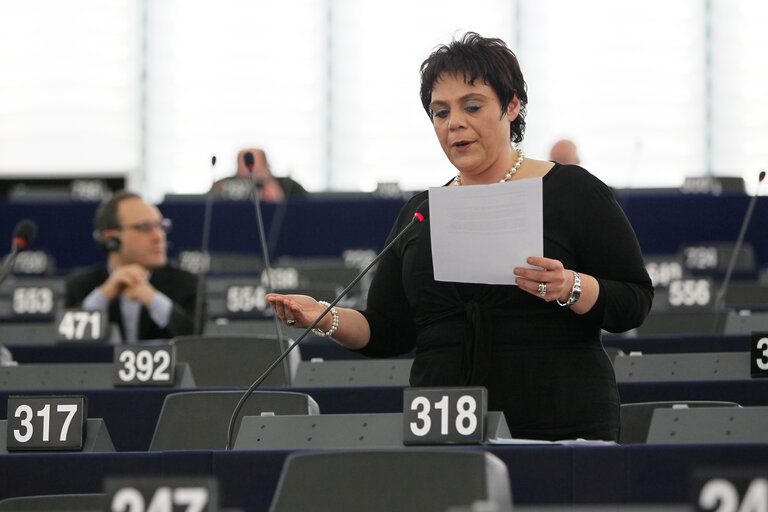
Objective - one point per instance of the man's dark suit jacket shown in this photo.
(180, 286)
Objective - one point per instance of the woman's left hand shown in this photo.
(549, 282)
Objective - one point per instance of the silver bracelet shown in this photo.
(575, 291)
(334, 325)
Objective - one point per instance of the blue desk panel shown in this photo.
(539, 474)
(326, 225)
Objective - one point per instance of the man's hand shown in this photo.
(123, 278)
(142, 292)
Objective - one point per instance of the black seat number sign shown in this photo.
(690, 292)
(149, 365)
(161, 494)
(46, 423)
(759, 354)
(33, 300)
(81, 325)
(444, 415)
(246, 298)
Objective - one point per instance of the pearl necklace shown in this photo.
(508, 176)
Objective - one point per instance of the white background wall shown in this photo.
(651, 91)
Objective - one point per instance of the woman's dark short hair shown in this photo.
(488, 59)
(106, 214)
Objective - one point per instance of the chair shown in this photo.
(55, 503)
(235, 361)
(198, 420)
(402, 480)
(636, 418)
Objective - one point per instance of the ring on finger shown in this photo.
(543, 289)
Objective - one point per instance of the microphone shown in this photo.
(204, 246)
(720, 297)
(421, 212)
(249, 162)
(23, 235)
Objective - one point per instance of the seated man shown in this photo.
(273, 189)
(145, 296)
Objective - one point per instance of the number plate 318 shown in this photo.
(444, 415)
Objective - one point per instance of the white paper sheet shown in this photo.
(481, 233)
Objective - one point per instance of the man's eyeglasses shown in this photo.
(149, 227)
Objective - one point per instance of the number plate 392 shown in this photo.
(144, 365)
(444, 415)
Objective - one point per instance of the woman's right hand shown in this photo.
(298, 310)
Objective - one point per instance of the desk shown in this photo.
(539, 474)
(131, 413)
(332, 351)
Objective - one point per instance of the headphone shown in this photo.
(108, 244)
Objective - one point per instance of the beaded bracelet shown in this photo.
(334, 325)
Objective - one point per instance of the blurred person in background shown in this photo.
(564, 152)
(144, 295)
(273, 188)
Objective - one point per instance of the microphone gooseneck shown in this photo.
(720, 297)
(417, 217)
(204, 247)
(249, 161)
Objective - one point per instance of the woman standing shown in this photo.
(536, 346)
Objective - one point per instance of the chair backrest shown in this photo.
(234, 361)
(199, 420)
(366, 372)
(402, 480)
(682, 367)
(55, 503)
(636, 418)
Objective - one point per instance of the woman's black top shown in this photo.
(543, 365)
